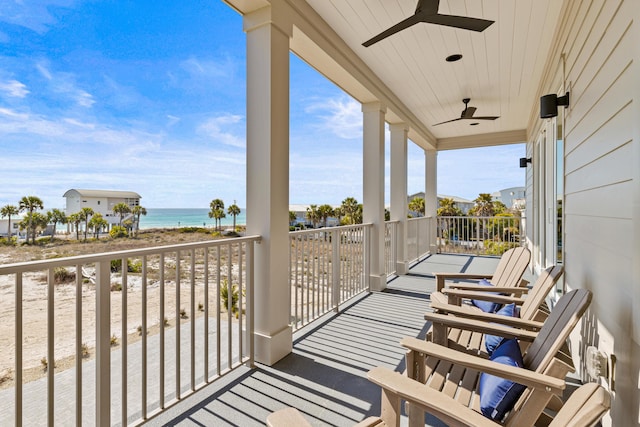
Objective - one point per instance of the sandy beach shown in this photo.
(35, 301)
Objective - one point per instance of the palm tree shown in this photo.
(349, 209)
(121, 209)
(483, 205)
(9, 211)
(56, 216)
(313, 214)
(137, 211)
(33, 222)
(85, 215)
(292, 217)
(325, 211)
(217, 211)
(97, 223)
(338, 213)
(234, 210)
(417, 205)
(30, 204)
(75, 219)
(448, 207)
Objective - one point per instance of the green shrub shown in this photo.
(498, 248)
(224, 295)
(62, 275)
(118, 231)
(132, 266)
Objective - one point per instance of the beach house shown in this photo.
(561, 76)
(101, 201)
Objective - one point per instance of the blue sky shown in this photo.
(150, 97)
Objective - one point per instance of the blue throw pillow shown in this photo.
(491, 342)
(498, 395)
(486, 306)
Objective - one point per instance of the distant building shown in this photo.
(513, 198)
(101, 201)
(4, 225)
(301, 216)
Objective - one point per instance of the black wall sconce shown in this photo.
(524, 161)
(549, 105)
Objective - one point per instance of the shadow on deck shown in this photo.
(325, 375)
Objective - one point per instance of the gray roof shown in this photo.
(102, 193)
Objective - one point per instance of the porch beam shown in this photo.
(373, 189)
(268, 35)
(483, 140)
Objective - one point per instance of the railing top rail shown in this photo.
(39, 265)
(479, 217)
(342, 227)
(420, 218)
(393, 221)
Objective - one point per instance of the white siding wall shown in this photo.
(599, 41)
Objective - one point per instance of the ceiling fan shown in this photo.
(467, 114)
(427, 11)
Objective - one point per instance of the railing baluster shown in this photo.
(162, 326)
(178, 325)
(103, 350)
(79, 349)
(123, 392)
(144, 341)
(206, 315)
(51, 361)
(229, 308)
(192, 301)
(19, 344)
(218, 308)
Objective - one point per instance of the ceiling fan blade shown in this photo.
(406, 23)
(468, 112)
(485, 118)
(463, 22)
(449, 121)
(429, 7)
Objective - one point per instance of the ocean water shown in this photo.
(175, 218)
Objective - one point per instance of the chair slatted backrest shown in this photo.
(586, 406)
(556, 329)
(538, 293)
(511, 267)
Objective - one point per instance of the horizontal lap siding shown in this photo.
(598, 40)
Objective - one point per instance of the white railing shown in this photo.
(327, 267)
(390, 246)
(168, 346)
(479, 235)
(419, 240)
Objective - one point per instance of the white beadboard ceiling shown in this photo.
(500, 71)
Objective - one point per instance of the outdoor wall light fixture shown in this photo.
(524, 161)
(549, 105)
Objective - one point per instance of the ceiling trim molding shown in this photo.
(483, 140)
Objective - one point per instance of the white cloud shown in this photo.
(172, 120)
(203, 68)
(342, 116)
(65, 84)
(32, 14)
(221, 128)
(14, 88)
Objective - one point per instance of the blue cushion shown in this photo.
(492, 342)
(498, 395)
(486, 306)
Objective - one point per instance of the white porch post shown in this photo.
(431, 194)
(373, 188)
(268, 178)
(399, 192)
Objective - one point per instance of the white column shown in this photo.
(268, 178)
(399, 192)
(373, 188)
(431, 194)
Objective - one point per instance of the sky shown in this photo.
(150, 97)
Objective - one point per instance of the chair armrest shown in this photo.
(286, 417)
(454, 296)
(426, 398)
(441, 277)
(520, 375)
(440, 320)
(486, 317)
(487, 289)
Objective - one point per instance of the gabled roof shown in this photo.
(102, 193)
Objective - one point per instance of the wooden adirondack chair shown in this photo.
(532, 311)
(508, 273)
(455, 374)
(586, 406)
